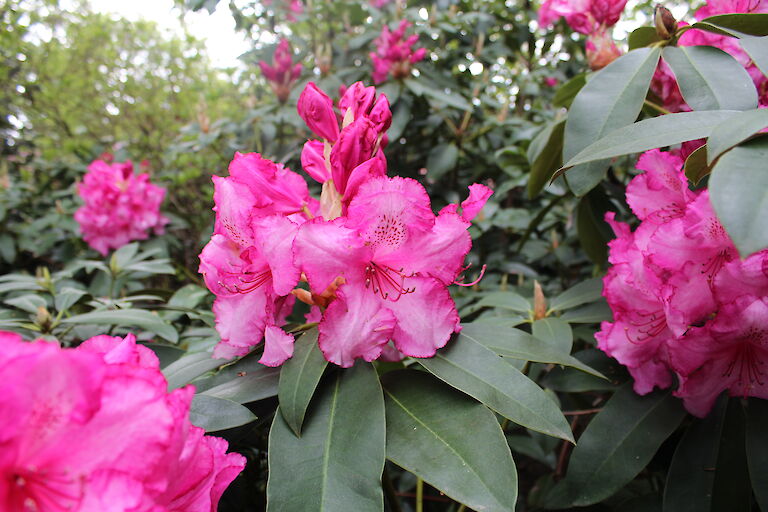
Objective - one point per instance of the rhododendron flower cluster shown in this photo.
(120, 206)
(376, 260)
(395, 55)
(664, 83)
(684, 303)
(93, 429)
(283, 73)
(593, 18)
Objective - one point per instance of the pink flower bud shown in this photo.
(316, 109)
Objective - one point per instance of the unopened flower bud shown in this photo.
(316, 109)
(665, 22)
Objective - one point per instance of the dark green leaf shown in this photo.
(657, 132)
(249, 386)
(573, 381)
(582, 293)
(182, 371)
(299, 378)
(554, 331)
(590, 314)
(337, 462)
(517, 344)
(505, 300)
(612, 98)
(734, 131)
(451, 98)
(469, 366)
(616, 445)
(702, 471)
(696, 166)
(738, 188)
(568, 91)
(441, 159)
(710, 79)
(757, 447)
(450, 441)
(548, 160)
(643, 36)
(67, 297)
(752, 24)
(127, 317)
(212, 414)
(594, 233)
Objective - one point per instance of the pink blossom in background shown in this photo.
(601, 49)
(292, 8)
(283, 72)
(380, 3)
(93, 429)
(683, 301)
(395, 55)
(551, 81)
(584, 16)
(120, 206)
(375, 259)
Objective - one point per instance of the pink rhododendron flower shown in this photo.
(585, 16)
(395, 260)
(120, 206)
(395, 55)
(94, 428)
(283, 73)
(683, 301)
(248, 263)
(601, 49)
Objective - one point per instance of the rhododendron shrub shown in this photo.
(680, 294)
(94, 428)
(120, 206)
(376, 258)
(283, 72)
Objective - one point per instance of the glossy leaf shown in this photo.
(567, 92)
(657, 132)
(548, 160)
(738, 188)
(747, 23)
(710, 79)
(612, 98)
(594, 233)
(702, 471)
(182, 371)
(127, 317)
(212, 414)
(616, 445)
(574, 381)
(757, 49)
(757, 447)
(517, 344)
(469, 366)
(555, 331)
(643, 36)
(696, 167)
(505, 300)
(449, 440)
(337, 462)
(299, 378)
(582, 293)
(736, 130)
(246, 387)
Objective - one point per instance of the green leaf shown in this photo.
(450, 441)
(337, 462)
(451, 99)
(125, 254)
(127, 317)
(572, 381)
(213, 414)
(734, 131)
(657, 132)
(442, 158)
(505, 300)
(299, 378)
(469, 366)
(582, 293)
(182, 371)
(709, 464)
(246, 387)
(738, 188)
(594, 233)
(643, 36)
(616, 445)
(517, 344)
(710, 79)
(554, 331)
(612, 98)
(757, 49)
(696, 167)
(548, 160)
(757, 446)
(67, 297)
(752, 24)
(29, 303)
(568, 91)
(590, 314)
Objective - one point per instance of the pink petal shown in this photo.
(278, 346)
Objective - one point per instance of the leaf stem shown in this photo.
(419, 495)
(657, 108)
